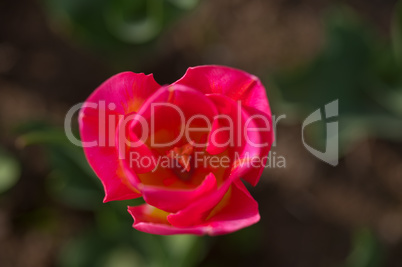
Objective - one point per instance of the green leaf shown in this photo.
(185, 4)
(123, 257)
(183, 250)
(341, 71)
(366, 250)
(119, 27)
(9, 171)
(140, 31)
(72, 181)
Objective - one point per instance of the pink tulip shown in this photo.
(182, 147)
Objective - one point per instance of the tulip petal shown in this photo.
(258, 144)
(175, 200)
(228, 127)
(196, 212)
(126, 90)
(148, 219)
(252, 136)
(98, 120)
(105, 162)
(233, 83)
(239, 210)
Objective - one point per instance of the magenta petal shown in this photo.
(251, 146)
(126, 90)
(132, 154)
(233, 83)
(235, 212)
(227, 128)
(119, 191)
(196, 212)
(174, 200)
(255, 147)
(98, 121)
(105, 162)
(146, 221)
(239, 211)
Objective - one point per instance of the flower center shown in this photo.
(183, 157)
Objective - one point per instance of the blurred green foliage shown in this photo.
(71, 180)
(9, 171)
(357, 67)
(117, 29)
(366, 250)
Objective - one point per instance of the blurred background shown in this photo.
(54, 53)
